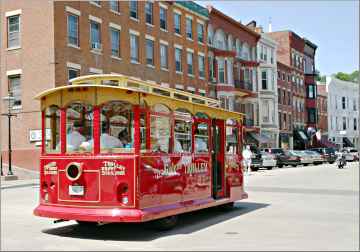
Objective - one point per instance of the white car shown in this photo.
(351, 154)
(268, 160)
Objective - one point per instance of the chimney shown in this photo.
(270, 26)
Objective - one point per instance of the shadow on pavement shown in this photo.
(188, 223)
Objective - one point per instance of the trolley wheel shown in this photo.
(227, 207)
(332, 162)
(269, 168)
(294, 165)
(166, 223)
(87, 223)
(280, 166)
(254, 168)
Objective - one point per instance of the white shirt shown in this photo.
(200, 145)
(74, 139)
(246, 154)
(108, 141)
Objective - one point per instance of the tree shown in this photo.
(354, 76)
(319, 77)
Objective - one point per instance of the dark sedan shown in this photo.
(288, 158)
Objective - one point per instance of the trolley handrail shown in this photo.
(133, 83)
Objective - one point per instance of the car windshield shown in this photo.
(353, 150)
(277, 151)
(330, 150)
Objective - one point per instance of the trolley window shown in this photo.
(79, 127)
(52, 129)
(182, 131)
(117, 129)
(231, 137)
(160, 128)
(202, 138)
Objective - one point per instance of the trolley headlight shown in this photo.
(74, 171)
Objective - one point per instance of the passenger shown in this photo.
(200, 145)
(107, 141)
(178, 147)
(124, 138)
(74, 139)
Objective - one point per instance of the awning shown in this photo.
(301, 135)
(347, 142)
(260, 138)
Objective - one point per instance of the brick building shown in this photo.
(44, 43)
(290, 55)
(321, 105)
(233, 68)
(312, 119)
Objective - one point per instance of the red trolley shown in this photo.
(117, 149)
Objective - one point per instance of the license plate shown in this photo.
(76, 190)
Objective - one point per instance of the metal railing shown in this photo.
(243, 85)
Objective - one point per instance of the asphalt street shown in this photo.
(303, 208)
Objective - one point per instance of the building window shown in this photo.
(163, 18)
(149, 52)
(149, 12)
(343, 100)
(13, 31)
(134, 9)
(355, 124)
(311, 92)
(289, 98)
(221, 69)
(97, 3)
(279, 96)
(344, 123)
(95, 35)
(279, 75)
(265, 111)
(312, 115)
(284, 97)
(73, 73)
(264, 80)
(189, 60)
(15, 89)
(272, 56)
(200, 32)
(114, 6)
(354, 104)
(201, 66)
(283, 76)
(163, 56)
(189, 28)
(178, 53)
(73, 29)
(115, 42)
(177, 23)
(211, 68)
(134, 48)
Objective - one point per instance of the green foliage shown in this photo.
(354, 76)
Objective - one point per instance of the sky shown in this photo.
(332, 25)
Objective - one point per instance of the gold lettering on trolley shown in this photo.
(50, 169)
(112, 168)
(195, 168)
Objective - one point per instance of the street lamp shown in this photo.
(9, 98)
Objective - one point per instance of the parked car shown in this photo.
(268, 160)
(288, 158)
(305, 159)
(276, 152)
(256, 161)
(316, 157)
(351, 154)
(328, 154)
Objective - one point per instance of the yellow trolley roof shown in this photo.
(97, 89)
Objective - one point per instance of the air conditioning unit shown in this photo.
(96, 46)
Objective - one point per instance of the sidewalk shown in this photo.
(25, 177)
